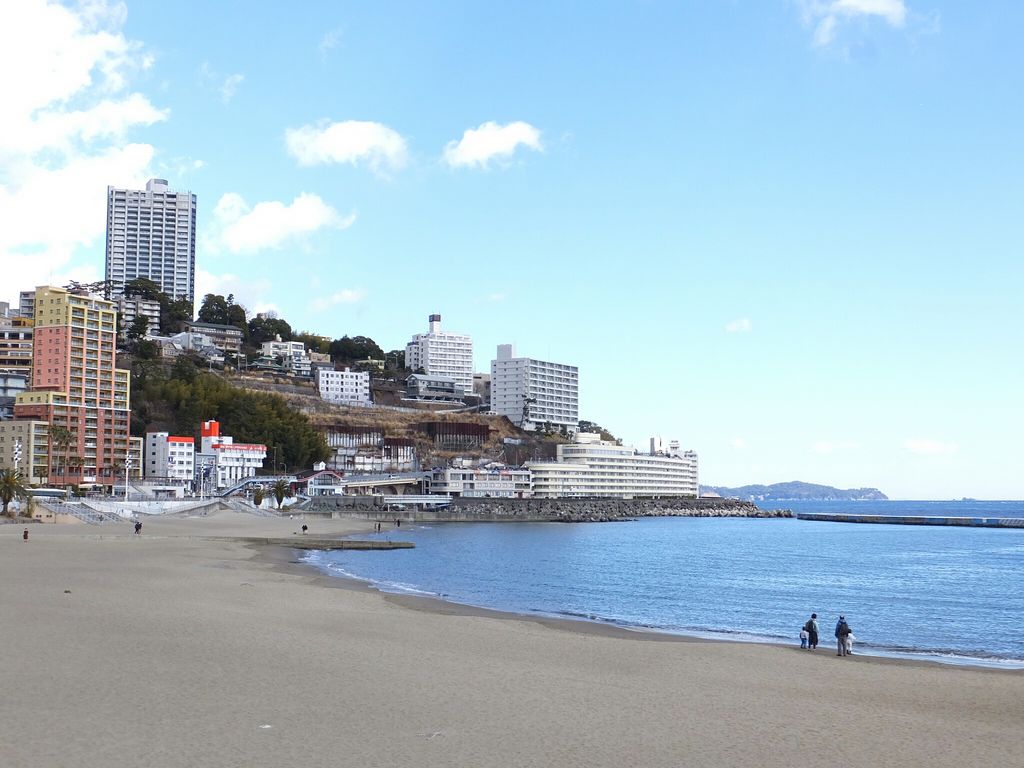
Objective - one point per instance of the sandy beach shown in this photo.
(188, 647)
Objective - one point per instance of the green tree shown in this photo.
(11, 487)
(313, 342)
(267, 327)
(214, 309)
(137, 329)
(355, 348)
(144, 288)
(281, 490)
(258, 495)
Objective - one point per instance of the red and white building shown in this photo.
(228, 462)
(167, 457)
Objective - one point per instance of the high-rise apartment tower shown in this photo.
(151, 233)
(440, 353)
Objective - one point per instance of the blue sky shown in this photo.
(787, 233)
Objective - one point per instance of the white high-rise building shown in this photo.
(596, 468)
(442, 354)
(532, 392)
(151, 233)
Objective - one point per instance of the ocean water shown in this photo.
(943, 593)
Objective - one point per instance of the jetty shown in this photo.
(309, 542)
(968, 522)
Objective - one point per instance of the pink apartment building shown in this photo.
(77, 387)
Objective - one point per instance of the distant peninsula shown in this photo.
(795, 490)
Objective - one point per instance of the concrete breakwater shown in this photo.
(537, 510)
(971, 522)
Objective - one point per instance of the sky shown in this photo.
(788, 233)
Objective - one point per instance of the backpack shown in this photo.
(844, 630)
(808, 627)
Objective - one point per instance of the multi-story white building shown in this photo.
(151, 233)
(168, 457)
(24, 445)
(130, 309)
(440, 353)
(596, 468)
(532, 393)
(348, 386)
(228, 462)
(292, 353)
(493, 482)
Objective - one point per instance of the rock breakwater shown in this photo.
(539, 510)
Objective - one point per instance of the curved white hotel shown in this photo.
(591, 467)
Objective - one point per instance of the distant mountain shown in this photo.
(794, 491)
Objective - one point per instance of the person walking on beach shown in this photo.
(842, 631)
(811, 627)
(24, 535)
(138, 527)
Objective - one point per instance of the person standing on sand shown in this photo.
(812, 632)
(138, 527)
(842, 631)
(24, 535)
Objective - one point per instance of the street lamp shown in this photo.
(127, 472)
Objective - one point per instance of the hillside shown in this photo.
(408, 423)
(795, 490)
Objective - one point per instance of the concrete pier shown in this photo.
(308, 542)
(970, 522)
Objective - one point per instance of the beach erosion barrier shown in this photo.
(970, 522)
(469, 510)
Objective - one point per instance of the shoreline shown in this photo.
(189, 645)
(441, 606)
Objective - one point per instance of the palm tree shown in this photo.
(257, 496)
(281, 490)
(60, 441)
(11, 487)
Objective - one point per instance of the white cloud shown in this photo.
(67, 113)
(830, 446)
(479, 146)
(740, 325)
(250, 293)
(241, 228)
(229, 86)
(329, 42)
(354, 142)
(345, 296)
(930, 447)
(738, 443)
(491, 298)
(825, 15)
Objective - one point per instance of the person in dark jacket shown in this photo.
(812, 632)
(842, 630)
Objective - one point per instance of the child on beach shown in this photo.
(849, 644)
(803, 638)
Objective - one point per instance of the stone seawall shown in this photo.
(538, 510)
